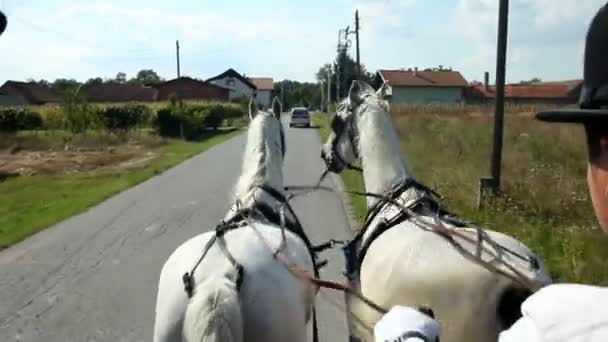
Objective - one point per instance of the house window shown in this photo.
(230, 81)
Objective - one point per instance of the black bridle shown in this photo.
(340, 127)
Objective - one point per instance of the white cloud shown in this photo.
(203, 25)
(382, 13)
(535, 27)
(561, 14)
(85, 39)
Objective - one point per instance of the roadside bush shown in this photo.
(15, 119)
(141, 113)
(53, 118)
(79, 114)
(126, 118)
(196, 122)
(191, 121)
(168, 123)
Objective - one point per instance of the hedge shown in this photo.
(15, 119)
(125, 118)
(192, 120)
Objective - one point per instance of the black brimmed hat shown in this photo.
(2, 22)
(593, 101)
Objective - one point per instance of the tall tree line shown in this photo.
(62, 85)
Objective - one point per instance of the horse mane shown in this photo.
(256, 160)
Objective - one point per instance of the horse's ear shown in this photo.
(253, 107)
(359, 90)
(381, 92)
(354, 94)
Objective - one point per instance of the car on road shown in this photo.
(299, 116)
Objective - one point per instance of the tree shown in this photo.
(42, 82)
(63, 85)
(94, 81)
(348, 73)
(531, 81)
(146, 77)
(298, 94)
(121, 77)
(326, 69)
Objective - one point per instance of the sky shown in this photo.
(287, 39)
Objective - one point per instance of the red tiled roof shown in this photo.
(118, 92)
(569, 83)
(421, 78)
(189, 88)
(35, 93)
(540, 91)
(263, 83)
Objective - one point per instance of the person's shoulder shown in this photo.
(569, 311)
(578, 295)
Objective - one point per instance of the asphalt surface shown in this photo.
(94, 276)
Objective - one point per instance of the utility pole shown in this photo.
(177, 54)
(342, 46)
(338, 65)
(328, 89)
(501, 59)
(322, 104)
(283, 93)
(490, 185)
(357, 39)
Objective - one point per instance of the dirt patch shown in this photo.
(20, 160)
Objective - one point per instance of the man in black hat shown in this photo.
(559, 312)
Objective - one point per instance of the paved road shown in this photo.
(94, 276)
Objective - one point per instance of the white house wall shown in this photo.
(237, 90)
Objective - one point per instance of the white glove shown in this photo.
(403, 324)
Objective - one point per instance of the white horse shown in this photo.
(240, 291)
(474, 280)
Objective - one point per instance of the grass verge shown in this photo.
(30, 204)
(545, 201)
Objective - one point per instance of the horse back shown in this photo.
(407, 265)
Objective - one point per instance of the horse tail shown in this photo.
(214, 313)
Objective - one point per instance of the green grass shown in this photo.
(30, 204)
(544, 201)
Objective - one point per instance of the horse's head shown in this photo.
(270, 120)
(341, 148)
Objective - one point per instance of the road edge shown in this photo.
(345, 201)
(102, 200)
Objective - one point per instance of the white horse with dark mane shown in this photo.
(413, 252)
(239, 291)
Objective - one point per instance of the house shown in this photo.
(238, 85)
(555, 92)
(265, 89)
(422, 86)
(118, 92)
(26, 93)
(191, 89)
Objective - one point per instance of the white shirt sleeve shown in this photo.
(562, 312)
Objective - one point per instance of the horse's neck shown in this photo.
(262, 163)
(381, 154)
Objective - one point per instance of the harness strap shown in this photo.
(238, 220)
(357, 251)
(220, 230)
